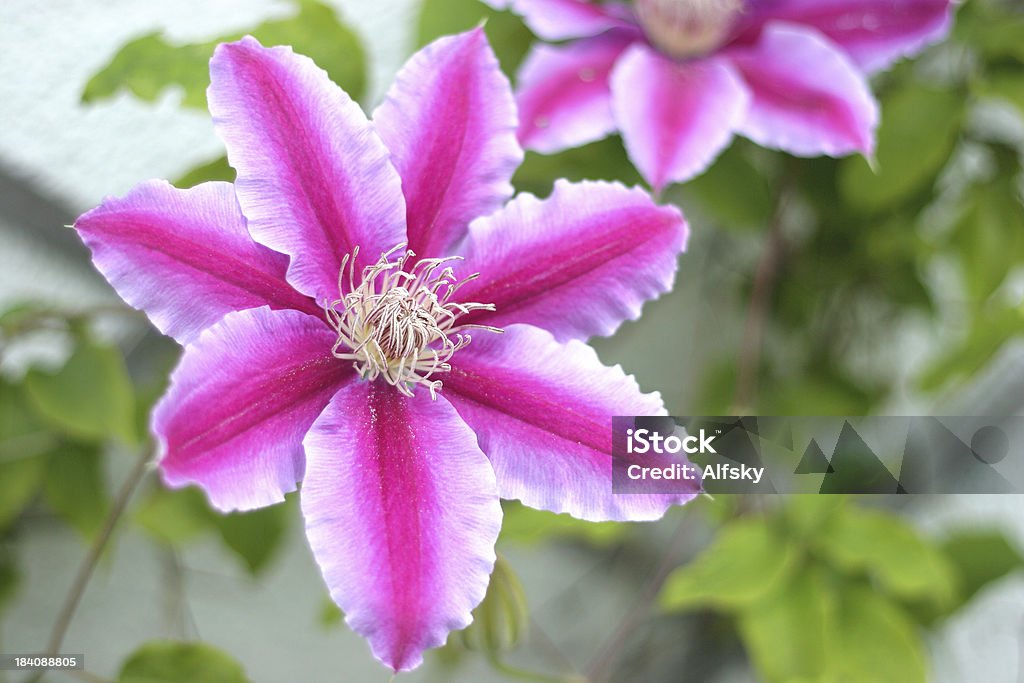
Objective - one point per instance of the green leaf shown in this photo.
(746, 562)
(23, 443)
(170, 662)
(255, 536)
(20, 478)
(912, 148)
(808, 515)
(500, 621)
(733, 192)
(990, 237)
(875, 641)
(1005, 85)
(75, 487)
(829, 391)
(175, 516)
(149, 65)
(9, 579)
(990, 330)
(818, 628)
(330, 614)
(890, 550)
(506, 33)
(91, 397)
(981, 557)
(526, 525)
(787, 634)
(602, 160)
(218, 169)
(992, 30)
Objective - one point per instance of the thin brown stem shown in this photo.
(749, 366)
(611, 649)
(88, 566)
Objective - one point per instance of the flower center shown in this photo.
(688, 28)
(399, 323)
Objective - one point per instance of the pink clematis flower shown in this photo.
(326, 302)
(679, 78)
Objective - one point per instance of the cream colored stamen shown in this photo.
(399, 323)
(688, 28)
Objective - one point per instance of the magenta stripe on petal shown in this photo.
(402, 514)
(873, 32)
(449, 121)
(809, 98)
(240, 402)
(564, 97)
(675, 117)
(314, 180)
(578, 263)
(185, 256)
(543, 413)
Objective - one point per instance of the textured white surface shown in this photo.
(84, 152)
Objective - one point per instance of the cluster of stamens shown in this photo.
(399, 322)
(688, 28)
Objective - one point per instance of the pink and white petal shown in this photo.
(675, 117)
(564, 96)
(402, 514)
(314, 180)
(240, 402)
(566, 19)
(185, 256)
(873, 32)
(809, 98)
(542, 412)
(578, 263)
(450, 123)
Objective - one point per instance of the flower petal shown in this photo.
(449, 121)
(564, 96)
(402, 514)
(314, 180)
(873, 32)
(578, 263)
(185, 256)
(565, 19)
(809, 99)
(675, 117)
(542, 412)
(240, 401)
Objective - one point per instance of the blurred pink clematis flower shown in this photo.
(679, 78)
(326, 302)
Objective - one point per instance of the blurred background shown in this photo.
(811, 287)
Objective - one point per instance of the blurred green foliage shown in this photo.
(823, 589)
(500, 622)
(150, 65)
(506, 33)
(523, 526)
(170, 662)
(91, 397)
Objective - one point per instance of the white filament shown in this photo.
(399, 323)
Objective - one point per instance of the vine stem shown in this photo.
(749, 365)
(612, 647)
(92, 558)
